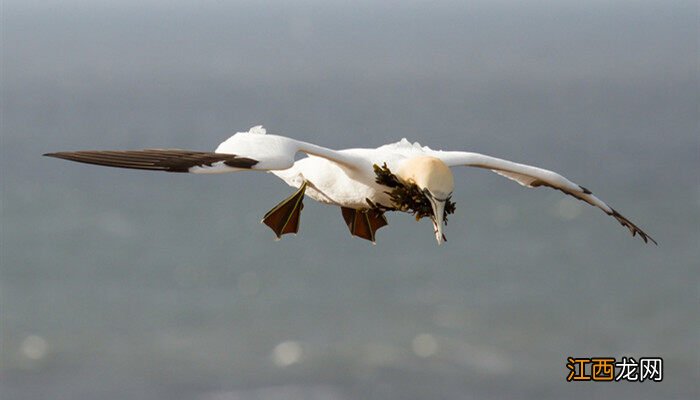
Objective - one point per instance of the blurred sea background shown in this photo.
(119, 284)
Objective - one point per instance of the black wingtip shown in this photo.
(634, 229)
(58, 154)
(63, 155)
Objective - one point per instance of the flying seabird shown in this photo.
(364, 183)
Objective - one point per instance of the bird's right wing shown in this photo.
(168, 160)
(530, 176)
(252, 150)
(276, 152)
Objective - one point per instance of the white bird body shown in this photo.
(347, 178)
(332, 183)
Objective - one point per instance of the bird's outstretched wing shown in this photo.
(530, 176)
(170, 160)
(252, 150)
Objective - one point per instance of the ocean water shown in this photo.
(127, 284)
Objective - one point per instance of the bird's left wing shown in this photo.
(252, 150)
(532, 177)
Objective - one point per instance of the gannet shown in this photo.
(364, 182)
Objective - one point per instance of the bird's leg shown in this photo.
(364, 222)
(285, 216)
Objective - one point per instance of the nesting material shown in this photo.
(407, 197)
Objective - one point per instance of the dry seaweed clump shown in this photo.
(408, 198)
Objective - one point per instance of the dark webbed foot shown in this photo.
(285, 216)
(364, 223)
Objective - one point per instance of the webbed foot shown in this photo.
(364, 223)
(285, 216)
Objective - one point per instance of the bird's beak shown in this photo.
(438, 217)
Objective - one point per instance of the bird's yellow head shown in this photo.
(435, 180)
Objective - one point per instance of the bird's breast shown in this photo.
(331, 184)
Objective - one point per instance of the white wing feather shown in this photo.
(530, 176)
(275, 152)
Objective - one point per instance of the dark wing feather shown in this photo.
(170, 160)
